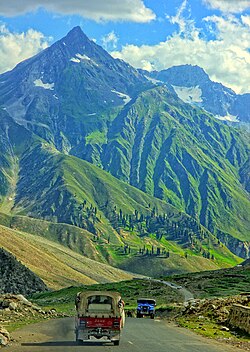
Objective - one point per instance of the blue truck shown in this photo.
(146, 306)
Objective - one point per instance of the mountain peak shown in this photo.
(75, 30)
(74, 36)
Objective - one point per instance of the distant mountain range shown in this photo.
(176, 174)
(193, 86)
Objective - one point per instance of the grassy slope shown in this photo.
(81, 241)
(63, 299)
(57, 265)
(219, 283)
(183, 155)
(14, 139)
(65, 182)
(227, 282)
(173, 265)
(72, 237)
(52, 186)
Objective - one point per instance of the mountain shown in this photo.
(57, 265)
(183, 155)
(16, 278)
(68, 90)
(186, 173)
(74, 255)
(193, 85)
(114, 222)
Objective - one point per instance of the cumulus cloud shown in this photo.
(246, 20)
(98, 10)
(16, 47)
(226, 57)
(109, 41)
(228, 6)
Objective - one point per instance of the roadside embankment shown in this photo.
(239, 317)
(16, 311)
(226, 319)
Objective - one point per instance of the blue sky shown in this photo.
(151, 34)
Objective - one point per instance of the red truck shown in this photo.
(99, 315)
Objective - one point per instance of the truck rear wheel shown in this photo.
(116, 342)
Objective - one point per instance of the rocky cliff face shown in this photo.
(16, 278)
(240, 248)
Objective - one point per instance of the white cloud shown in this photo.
(16, 47)
(226, 57)
(98, 10)
(228, 6)
(246, 20)
(184, 24)
(109, 41)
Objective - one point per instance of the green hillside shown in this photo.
(123, 221)
(216, 283)
(192, 170)
(113, 222)
(57, 265)
(183, 155)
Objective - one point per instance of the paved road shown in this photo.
(139, 335)
(187, 295)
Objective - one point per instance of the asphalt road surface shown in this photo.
(187, 295)
(139, 335)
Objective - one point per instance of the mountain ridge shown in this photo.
(193, 85)
(82, 102)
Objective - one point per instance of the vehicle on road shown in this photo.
(146, 306)
(99, 315)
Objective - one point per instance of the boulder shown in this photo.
(4, 336)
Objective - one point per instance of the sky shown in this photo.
(148, 34)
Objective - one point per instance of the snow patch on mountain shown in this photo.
(79, 57)
(73, 59)
(153, 80)
(83, 57)
(39, 83)
(228, 117)
(189, 94)
(126, 98)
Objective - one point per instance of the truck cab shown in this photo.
(99, 315)
(146, 306)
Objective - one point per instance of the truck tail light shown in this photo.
(82, 321)
(117, 323)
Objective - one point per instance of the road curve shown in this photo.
(187, 295)
(139, 335)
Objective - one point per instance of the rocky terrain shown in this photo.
(225, 319)
(16, 278)
(216, 309)
(16, 310)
